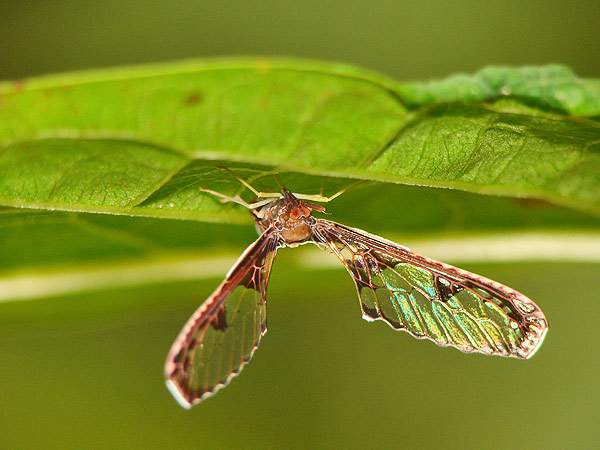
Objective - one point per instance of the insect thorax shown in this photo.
(291, 219)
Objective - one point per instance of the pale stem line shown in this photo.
(539, 247)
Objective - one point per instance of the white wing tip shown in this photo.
(172, 387)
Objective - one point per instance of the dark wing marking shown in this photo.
(221, 336)
(433, 300)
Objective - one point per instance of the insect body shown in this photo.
(429, 299)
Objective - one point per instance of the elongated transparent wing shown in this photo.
(221, 336)
(433, 300)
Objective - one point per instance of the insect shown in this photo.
(429, 299)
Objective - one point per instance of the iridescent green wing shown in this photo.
(221, 336)
(432, 300)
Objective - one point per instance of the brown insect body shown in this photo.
(290, 217)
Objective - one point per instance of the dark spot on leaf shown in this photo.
(193, 99)
(326, 95)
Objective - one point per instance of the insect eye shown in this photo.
(305, 211)
(295, 213)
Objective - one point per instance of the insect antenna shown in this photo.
(256, 192)
(321, 198)
(268, 196)
(225, 198)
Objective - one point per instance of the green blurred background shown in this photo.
(85, 371)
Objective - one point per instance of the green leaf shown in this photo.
(555, 87)
(105, 141)
(141, 141)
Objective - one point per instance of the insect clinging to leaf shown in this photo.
(429, 299)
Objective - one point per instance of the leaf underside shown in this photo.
(141, 141)
(108, 142)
